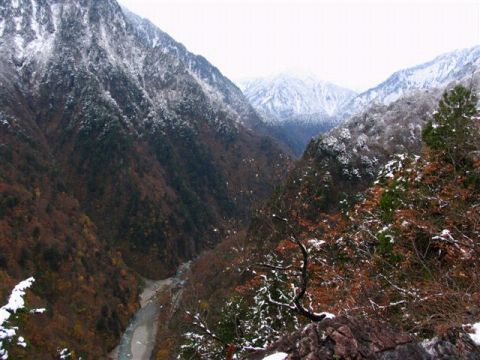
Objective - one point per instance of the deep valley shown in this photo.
(284, 218)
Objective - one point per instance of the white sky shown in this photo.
(356, 44)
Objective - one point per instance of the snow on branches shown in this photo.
(15, 304)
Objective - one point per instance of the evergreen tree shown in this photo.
(452, 132)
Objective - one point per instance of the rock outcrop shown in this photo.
(354, 338)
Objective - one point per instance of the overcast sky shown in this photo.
(356, 44)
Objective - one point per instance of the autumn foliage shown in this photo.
(406, 250)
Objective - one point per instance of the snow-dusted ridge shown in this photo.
(364, 142)
(434, 74)
(109, 37)
(287, 96)
(303, 98)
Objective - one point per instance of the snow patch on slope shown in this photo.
(276, 356)
(475, 335)
(16, 302)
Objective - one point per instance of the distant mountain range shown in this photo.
(296, 108)
(301, 107)
(286, 96)
(437, 73)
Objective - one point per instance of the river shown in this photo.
(138, 340)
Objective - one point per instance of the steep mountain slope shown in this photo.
(133, 119)
(406, 252)
(345, 160)
(83, 283)
(125, 145)
(437, 73)
(317, 201)
(299, 108)
(219, 89)
(407, 255)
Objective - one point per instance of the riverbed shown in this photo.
(138, 339)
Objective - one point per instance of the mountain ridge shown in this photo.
(296, 108)
(119, 148)
(436, 73)
(285, 96)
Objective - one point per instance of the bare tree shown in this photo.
(296, 302)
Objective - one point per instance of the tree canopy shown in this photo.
(452, 132)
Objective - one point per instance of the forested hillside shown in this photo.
(122, 155)
(149, 210)
(406, 252)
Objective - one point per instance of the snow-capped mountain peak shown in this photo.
(285, 95)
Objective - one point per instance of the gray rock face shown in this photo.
(353, 338)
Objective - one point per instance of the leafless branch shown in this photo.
(297, 301)
(403, 291)
(202, 325)
(275, 267)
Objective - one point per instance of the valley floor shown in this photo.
(138, 341)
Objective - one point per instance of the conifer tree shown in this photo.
(452, 132)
